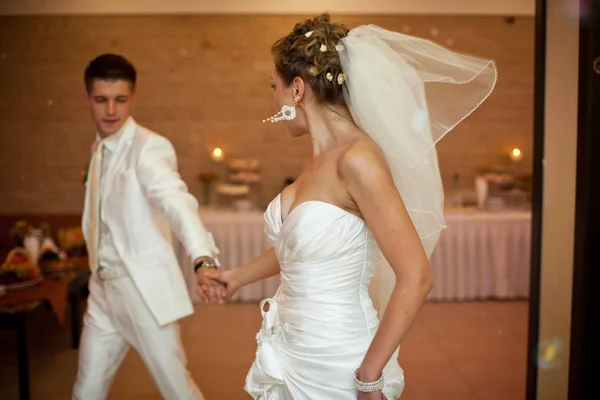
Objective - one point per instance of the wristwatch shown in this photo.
(206, 262)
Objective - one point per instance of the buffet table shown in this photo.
(481, 255)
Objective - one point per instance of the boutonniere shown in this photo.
(84, 173)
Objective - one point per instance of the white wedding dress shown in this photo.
(321, 321)
(406, 93)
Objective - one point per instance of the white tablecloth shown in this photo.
(480, 255)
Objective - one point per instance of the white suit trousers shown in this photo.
(117, 318)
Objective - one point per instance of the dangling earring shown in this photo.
(287, 113)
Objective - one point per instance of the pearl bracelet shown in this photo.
(367, 387)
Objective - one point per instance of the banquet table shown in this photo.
(61, 291)
(480, 255)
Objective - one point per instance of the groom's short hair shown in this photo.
(109, 67)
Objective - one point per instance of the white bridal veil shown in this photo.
(406, 93)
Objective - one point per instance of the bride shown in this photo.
(356, 229)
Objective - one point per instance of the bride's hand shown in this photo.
(378, 395)
(228, 280)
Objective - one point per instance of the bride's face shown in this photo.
(284, 94)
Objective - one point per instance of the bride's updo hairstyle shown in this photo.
(310, 52)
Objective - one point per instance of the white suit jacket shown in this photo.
(143, 200)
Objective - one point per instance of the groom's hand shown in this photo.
(209, 290)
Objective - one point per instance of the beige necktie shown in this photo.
(94, 226)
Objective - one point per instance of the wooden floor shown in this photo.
(455, 351)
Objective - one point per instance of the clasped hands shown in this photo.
(215, 286)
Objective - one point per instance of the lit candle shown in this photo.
(217, 154)
(516, 154)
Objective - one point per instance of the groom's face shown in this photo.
(111, 103)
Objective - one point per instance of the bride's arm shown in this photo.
(264, 266)
(368, 180)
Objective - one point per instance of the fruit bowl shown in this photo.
(18, 271)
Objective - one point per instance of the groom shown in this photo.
(134, 198)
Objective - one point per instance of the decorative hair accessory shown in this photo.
(323, 48)
(308, 34)
(341, 78)
(329, 76)
(339, 47)
(287, 113)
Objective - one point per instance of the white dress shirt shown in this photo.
(107, 253)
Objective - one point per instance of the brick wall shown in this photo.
(204, 82)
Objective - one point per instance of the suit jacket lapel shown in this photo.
(117, 157)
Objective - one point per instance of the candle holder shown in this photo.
(207, 178)
(516, 156)
(217, 154)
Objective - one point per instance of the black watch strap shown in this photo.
(198, 266)
(208, 263)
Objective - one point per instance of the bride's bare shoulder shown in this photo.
(363, 159)
(363, 150)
